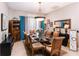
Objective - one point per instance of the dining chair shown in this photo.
(45, 31)
(56, 34)
(48, 34)
(26, 42)
(31, 32)
(55, 47)
(35, 47)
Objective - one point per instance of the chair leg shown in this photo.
(43, 51)
(32, 52)
(59, 54)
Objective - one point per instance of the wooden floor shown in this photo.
(19, 50)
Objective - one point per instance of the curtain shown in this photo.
(42, 25)
(22, 27)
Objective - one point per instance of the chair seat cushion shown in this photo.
(37, 45)
(55, 52)
(48, 49)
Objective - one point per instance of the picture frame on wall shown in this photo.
(51, 24)
(4, 22)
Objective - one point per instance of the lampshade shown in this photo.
(66, 26)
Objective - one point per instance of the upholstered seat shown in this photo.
(48, 48)
(56, 52)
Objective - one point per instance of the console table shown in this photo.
(5, 47)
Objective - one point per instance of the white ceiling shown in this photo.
(33, 7)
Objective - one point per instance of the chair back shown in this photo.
(56, 46)
(45, 32)
(26, 40)
(31, 32)
(30, 42)
(55, 34)
(48, 34)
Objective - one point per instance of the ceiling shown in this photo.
(33, 7)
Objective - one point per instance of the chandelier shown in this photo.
(40, 7)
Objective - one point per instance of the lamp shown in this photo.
(40, 9)
(66, 26)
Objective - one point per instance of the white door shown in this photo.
(73, 40)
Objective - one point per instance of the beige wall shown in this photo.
(4, 10)
(68, 12)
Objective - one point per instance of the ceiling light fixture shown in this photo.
(40, 9)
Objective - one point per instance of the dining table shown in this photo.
(43, 39)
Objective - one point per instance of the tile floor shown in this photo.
(19, 50)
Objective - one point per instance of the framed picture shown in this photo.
(4, 22)
(51, 24)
